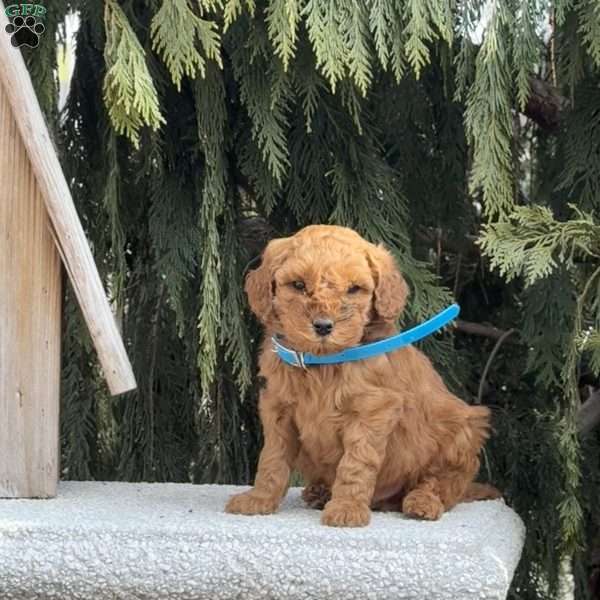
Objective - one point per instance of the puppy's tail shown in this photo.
(479, 419)
(481, 491)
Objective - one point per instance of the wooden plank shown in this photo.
(30, 299)
(70, 237)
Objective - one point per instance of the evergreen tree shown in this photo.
(464, 135)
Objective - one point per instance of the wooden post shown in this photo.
(68, 232)
(30, 294)
(38, 227)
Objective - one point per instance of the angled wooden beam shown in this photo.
(67, 229)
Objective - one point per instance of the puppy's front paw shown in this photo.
(423, 505)
(345, 513)
(249, 503)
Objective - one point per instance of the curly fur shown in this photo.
(383, 433)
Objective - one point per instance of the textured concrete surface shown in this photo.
(146, 541)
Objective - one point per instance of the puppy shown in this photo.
(383, 432)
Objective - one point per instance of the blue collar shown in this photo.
(405, 338)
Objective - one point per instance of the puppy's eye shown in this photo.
(353, 289)
(299, 285)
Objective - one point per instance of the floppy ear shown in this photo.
(391, 291)
(260, 285)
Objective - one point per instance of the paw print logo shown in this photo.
(25, 32)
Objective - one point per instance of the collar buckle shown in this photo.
(299, 356)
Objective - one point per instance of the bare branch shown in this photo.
(489, 362)
(483, 330)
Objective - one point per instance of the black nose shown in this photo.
(323, 326)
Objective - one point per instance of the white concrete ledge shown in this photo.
(146, 541)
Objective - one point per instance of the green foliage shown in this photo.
(528, 22)
(195, 130)
(211, 115)
(531, 243)
(174, 30)
(282, 19)
(589, 28)
(488, 116)
(324, 24)
(129, 90)
(581, 173)
(234, 8)
(552, 300)
(423, 20)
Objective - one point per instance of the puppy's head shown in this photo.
(323, 287)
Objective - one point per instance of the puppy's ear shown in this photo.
(391, 291)
(260, 284)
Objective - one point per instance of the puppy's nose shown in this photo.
(323, 327)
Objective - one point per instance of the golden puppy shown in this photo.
(384, 432)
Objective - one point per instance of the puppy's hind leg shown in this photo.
(481, 491)
(440, 492)
(424, 502)
(450, 480)
(316, 492)
(316, 495)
